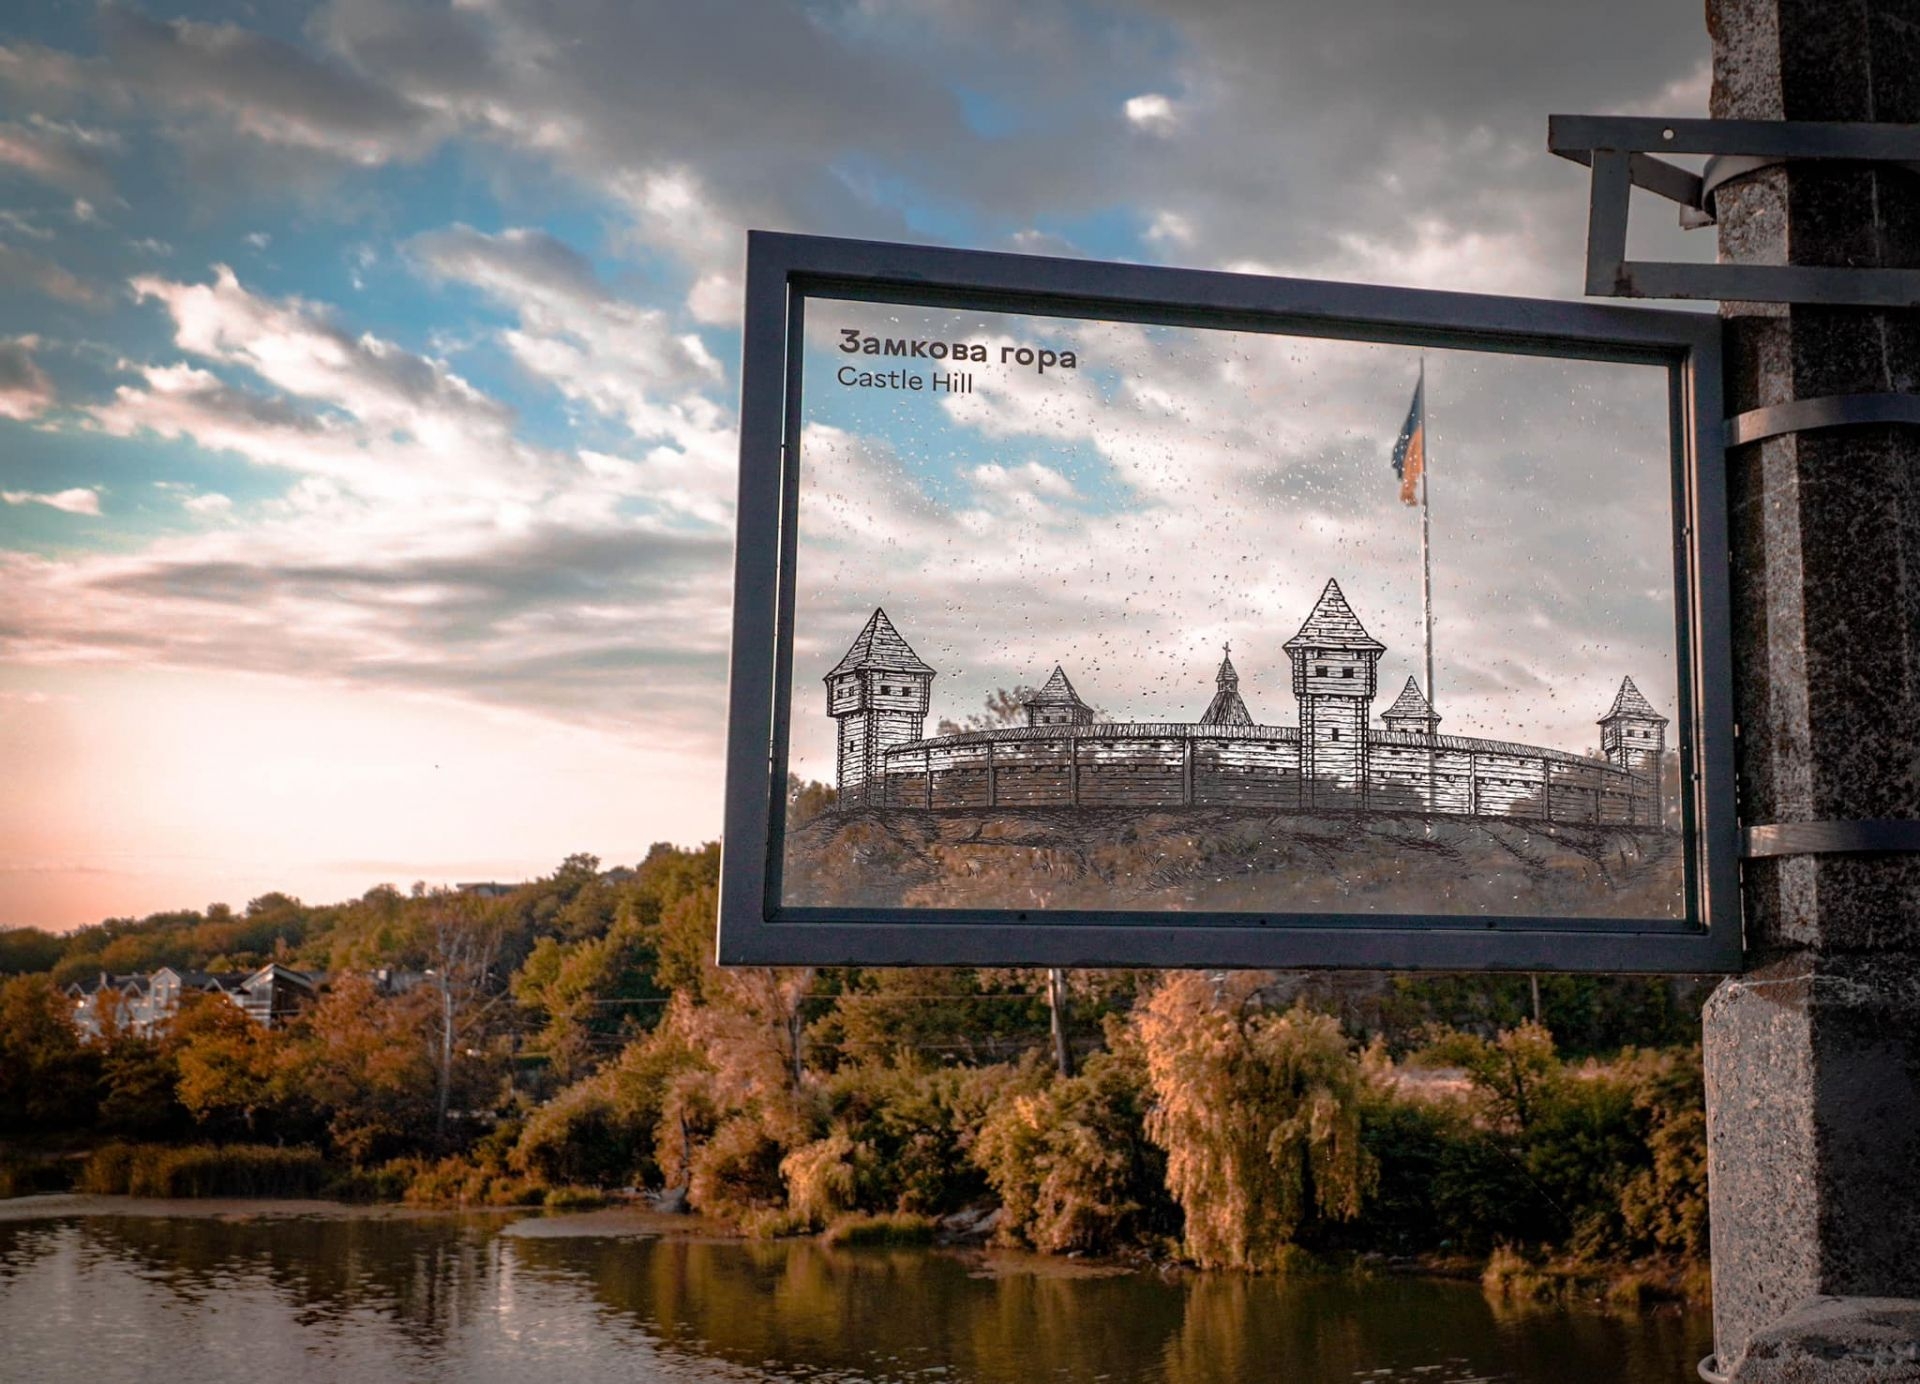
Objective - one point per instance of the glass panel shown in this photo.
(1111, 616)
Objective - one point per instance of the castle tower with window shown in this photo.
(1057, 704)
(1633, 736)
(1226, 708)
(1335, 678)
(878, 692)
(1411, 713)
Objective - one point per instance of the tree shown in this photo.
(47, 1075)
(370, 1064)
(1258, 1113)
(934, 1015)
(138, 1080)
(228, 1066)
(1664, 1206)
(1004, 707)
(463, 939)
(27, 949)
(590, 995)
(771, 1002)
(807, 799)
(1516, 1076)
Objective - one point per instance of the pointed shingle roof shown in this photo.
(879, 645)
(1226, 708)
(1333, 625)
(1410, 705)
(1055, 691)
(1628, 702)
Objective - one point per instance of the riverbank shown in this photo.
(1506, 1276)
(305, 1292)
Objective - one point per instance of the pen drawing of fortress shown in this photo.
(1226, 812)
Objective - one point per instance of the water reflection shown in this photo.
(373, 1298)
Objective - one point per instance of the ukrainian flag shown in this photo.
(1410, 451)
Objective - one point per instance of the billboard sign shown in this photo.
(1097, 614)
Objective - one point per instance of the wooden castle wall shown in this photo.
(1171, 766)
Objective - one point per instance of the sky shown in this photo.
(368, 370)
(1181, 490)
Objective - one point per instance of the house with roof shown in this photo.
(143, 1005)
(1334, 758)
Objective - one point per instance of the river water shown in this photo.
(103, 1290)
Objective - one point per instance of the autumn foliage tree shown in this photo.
(46, 1074)
(229, 1067)
(371, 1064)
(1259, 1116)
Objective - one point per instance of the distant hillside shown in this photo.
(1231, 859)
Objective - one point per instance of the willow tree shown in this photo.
(1258, 1113)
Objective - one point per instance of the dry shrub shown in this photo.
(204, 1170)
(894, 1228)
(820, 1180)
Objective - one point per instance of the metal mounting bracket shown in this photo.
(1620, 151)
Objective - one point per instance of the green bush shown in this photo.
(738, 1170)
(1071, 1162)
(911, 1128)
(1663, 1205)
(388, 1182)
(592, 1133)
(1602, 1162)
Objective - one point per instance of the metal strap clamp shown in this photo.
(1832, 411)
(1883, 835)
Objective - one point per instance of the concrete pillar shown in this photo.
(1813, 1057)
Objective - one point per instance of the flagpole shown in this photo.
(1426, 537)
(1426, 583)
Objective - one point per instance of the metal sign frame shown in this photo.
(785, 271)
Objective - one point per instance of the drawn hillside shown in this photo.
(1226, 813)
(1231, 860)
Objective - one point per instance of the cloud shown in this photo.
(42, 275)
(272, 92)
(25, 390)
(1152, 113)
(1169, 228)
(597, 348)
(402, 547)
(623, 361)
(294, 344)
(75, 158)
(610, 627)
(25, 226)
(419, 544)
(79, 500)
